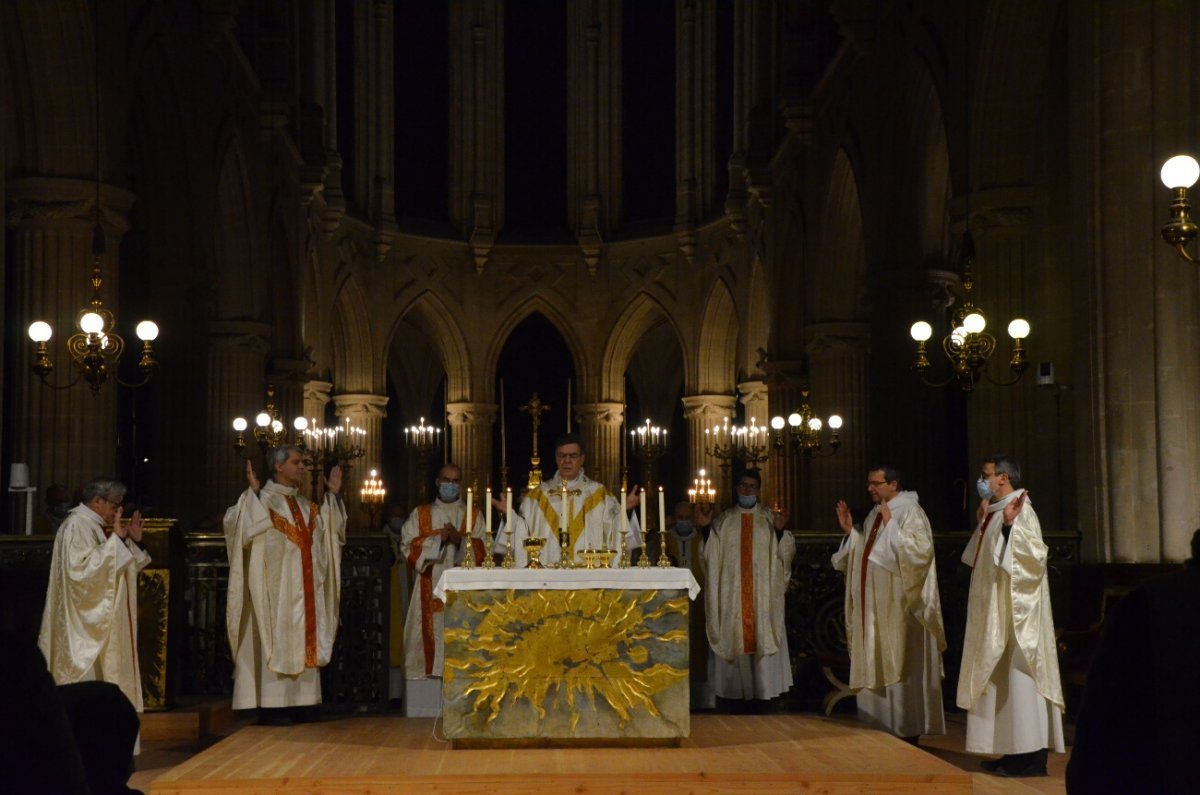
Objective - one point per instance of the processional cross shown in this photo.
(535, 408)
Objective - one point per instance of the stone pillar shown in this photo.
(237, 360)
(364, 411)
(375, 147)
(753, 395)
(50, 224)
(837, 357)
(316, 398)
(477, 123)
(593, 122)
(706, 411)
(694, 108)
(471, 433)
(600, 427)
(288, 376)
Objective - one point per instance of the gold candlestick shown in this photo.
(509, 561)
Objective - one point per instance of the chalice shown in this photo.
(533, 547)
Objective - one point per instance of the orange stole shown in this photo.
(749, 627)
(862, 571)
(301, 534)
(429, 605)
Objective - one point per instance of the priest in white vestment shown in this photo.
(1009, 681)
(285, 562)
(431, 540)
(893, 611)
(748, 557)
(592, 515)
(89, 624)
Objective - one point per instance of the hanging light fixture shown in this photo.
(96, 347)
(801, 433)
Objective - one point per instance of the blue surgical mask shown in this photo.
(448, 492)
(747, 500)
(396, 523)
(683, 528)
(984, 488)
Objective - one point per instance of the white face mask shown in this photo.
(747, 500)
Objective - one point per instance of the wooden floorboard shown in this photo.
(784, 753)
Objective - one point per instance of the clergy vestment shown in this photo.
(89, 624)
(285, 566)
(429, 556)
(1009, 682)
(593, 521)
(748, 567)
(894, 619)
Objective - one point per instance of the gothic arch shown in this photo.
(355, 366)
(837, 272)
(716, 364)
(437, 321)
(584, 368)
(239, 289)
(641, 314)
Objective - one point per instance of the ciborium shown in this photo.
(597, 558)
(533, 548)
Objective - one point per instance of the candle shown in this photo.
(508, 516)
(643, 504)
(470, 504)
(562, 514)
(503, 442)
(624, 516)
(488, 512)
(662, 510)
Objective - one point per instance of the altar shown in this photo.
(562, 656)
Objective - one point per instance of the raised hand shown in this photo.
(781, 518)
(703, 515)
(333, 483)
(251, 478)
(633, 499)
(1013, 509)
(120, 532)
(845, 521)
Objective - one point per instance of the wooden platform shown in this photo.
(738, 754)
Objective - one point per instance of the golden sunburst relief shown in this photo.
(563, 649)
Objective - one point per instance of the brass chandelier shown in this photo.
(96, 347)
(801, 433)
(968, 347)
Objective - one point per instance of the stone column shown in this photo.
(753, 395)
(837, 357)
(471, 433)
(477, 123)
(701, 412)
(316, 398)
(364, 411)
(593, 122)
(289, 378)
(600, 427)
(237, 361)
(694, 108)
(50, 224)
(375, 148)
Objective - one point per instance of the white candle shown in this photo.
(508, 516)
(562, 513)
(470, 503)
(488, 512)
(662, 510)
(624, 516)
(643, 504)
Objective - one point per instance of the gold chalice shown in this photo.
(597, 558)
(533, 548)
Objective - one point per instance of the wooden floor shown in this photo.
(725, 753)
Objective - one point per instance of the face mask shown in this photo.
(448, 492)
(396, 523)
(747, 500)
(683, 527)
(984, 488)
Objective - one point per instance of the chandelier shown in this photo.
(269, 431)
(968, 347)
(1179, 174)
(801, 433)
(96, 347)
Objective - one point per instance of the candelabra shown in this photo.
(801, 435)
(371, 496)
(702, 494)
(749, 444)
(649, 443)
(968, 347)
(340, 445)
(422, 439)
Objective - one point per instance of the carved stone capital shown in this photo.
(824, 338)
(364, 404)
(709, 407)
(482, 414)
(610, 414)
(69, 204)
(317, 391)
(240, 334)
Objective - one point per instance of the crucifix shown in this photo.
(535, 408)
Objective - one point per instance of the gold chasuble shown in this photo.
(592, 514)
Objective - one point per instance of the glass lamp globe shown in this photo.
(794, 420)
(300, 424)
(1180, 171)
(1018, 329)
(40, 331)
(263, 419)
(276, 426)
(91, 323)
(777, 423)
(147, 331)
(814, 424)
(239, 424)
(974, 323)
(921, 331)
(835, 422)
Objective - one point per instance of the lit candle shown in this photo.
(662, 510)
(562, 513)
(624, 516)
(488, 512)
(643, 504)
(470, 504)
(508, 515)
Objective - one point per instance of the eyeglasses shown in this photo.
(113, 503)
(877, 483)
(747, 485)
(568, 456)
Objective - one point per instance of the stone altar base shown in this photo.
(725, 753)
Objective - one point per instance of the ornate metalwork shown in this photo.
(356, 678)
